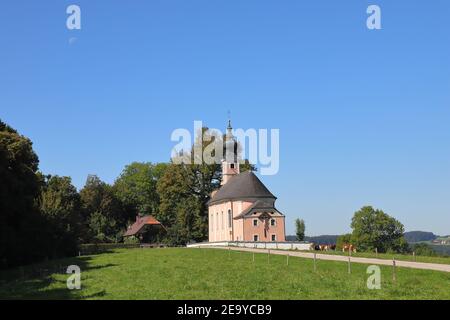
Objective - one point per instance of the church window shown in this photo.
(255, 237)
(273, 222)
(217, 221)
(274, 237)
(255, 222)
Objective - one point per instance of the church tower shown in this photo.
(230, 163)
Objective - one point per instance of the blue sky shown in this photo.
(363, 115)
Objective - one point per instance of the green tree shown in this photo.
(103, 228)
(180, 209)
(59, 203)
(372, 228)
(136, 187)
(23, 235)
(300, 229)
(103, 212)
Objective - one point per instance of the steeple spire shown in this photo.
(229, 128)
(230, 164)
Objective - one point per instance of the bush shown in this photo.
(422, 249)
(97, 248)
(131, 240)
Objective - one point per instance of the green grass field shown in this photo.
(214, 274)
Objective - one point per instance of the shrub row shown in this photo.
(96, 248)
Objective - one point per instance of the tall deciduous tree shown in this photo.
(104, 215)
(372, 228)
(136, 187)
(22, 228)
(59, 203)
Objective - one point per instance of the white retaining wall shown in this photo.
(259, 245)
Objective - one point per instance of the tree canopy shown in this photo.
(20, 222)
(59, 203)
(136, 186)
(104, 214)
(372, 228)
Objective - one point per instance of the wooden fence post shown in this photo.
(394, 277)
(349, 265)
(287, 259)
(315, 267)
(376, 253)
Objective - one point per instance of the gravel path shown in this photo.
(319, 256)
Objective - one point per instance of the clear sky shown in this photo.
(364, 115)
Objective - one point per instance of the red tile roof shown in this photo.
(140, 223)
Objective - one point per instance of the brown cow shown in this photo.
(347, 247)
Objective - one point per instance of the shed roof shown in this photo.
(140, 223)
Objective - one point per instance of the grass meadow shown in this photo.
(181, 273)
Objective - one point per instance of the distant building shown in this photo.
(146, 229)
(243, 209)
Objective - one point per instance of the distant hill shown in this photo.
(411, 237)
(419, 236)
(325, 239)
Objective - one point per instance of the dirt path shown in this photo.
(399, 263)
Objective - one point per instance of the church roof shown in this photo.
(245, 185)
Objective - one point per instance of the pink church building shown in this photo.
(243, 209)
